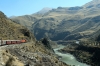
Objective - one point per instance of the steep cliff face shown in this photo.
(32, 53)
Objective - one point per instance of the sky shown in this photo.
(26, 7)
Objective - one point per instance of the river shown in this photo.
(68, 58)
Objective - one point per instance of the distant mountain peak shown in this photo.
(92, 3)
(96, 1)
(44, 10)
(12, 16)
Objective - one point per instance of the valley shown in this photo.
(31, 53)
(62, 36)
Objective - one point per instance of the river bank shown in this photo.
(84, 54)
(68, 58)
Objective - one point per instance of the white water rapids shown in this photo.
(68, 58)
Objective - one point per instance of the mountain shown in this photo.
(28, 20)
(25, 20)
(8, 29)
(93, 3)
(31, 53)
(44, 10)
(66, 23)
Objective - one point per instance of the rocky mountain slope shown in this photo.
(32, 53)
(65, 23)
(28, 20)
(25, 20)
(44, 10)
(10, 30)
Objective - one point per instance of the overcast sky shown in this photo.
(23, 7)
